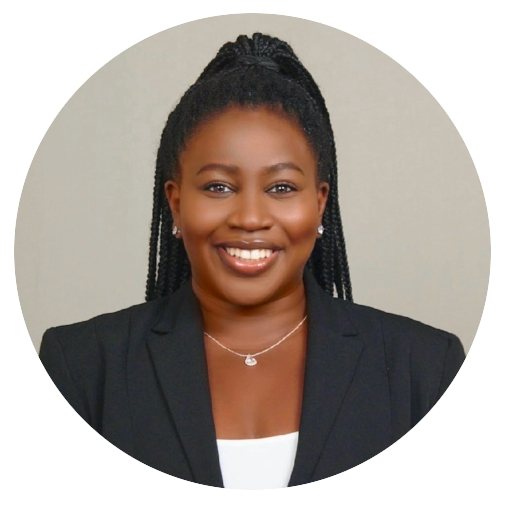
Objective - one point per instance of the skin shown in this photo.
(248, 178)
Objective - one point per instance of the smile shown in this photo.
(244, 254)
(247, 262)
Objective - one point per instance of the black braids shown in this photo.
(330, 249)
(153, 242)
(333, 267)
(165, 240)
(174, 265)
(318, 263)
(166, 250)
(290, 64)
(345, 273)
(328, 268)
(179, 271)
(245, 46)
(342, 255)
(333, 252)
(259, 45)
(226, 81)
(266, 46)
(227, 56)
(324, 264)
(342, 280)
(185, 269)
(344, 291)
(218, 64)
(333, 249)
(343, 284)
(331, 218)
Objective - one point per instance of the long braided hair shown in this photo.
(251, 72)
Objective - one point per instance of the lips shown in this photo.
(246, 254)
(250, 261)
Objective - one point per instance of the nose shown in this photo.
(250, 212)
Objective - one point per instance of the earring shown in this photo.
(320, 229)
(175, 231)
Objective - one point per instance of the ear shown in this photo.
(173, 195)
(323, 190)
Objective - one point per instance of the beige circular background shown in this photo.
(83, 224)
(413, 209)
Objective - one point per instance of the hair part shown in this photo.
(261, 71)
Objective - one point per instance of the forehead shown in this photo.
(249, 137)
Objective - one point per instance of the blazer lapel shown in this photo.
(333, 350)
(178, 353)
(177, 350)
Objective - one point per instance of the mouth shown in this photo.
(249, 255)
(248, 261)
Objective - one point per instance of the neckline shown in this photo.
(280, 437)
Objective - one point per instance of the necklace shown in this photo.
(250, 359)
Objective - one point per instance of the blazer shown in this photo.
(139, 377)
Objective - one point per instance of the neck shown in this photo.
(245, 329)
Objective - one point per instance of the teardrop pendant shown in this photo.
(250, 361)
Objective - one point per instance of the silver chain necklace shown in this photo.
(250, 359)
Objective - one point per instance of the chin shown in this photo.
(253, 292)
(250, 301)
(243, 295)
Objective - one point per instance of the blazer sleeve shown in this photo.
(447, 454)
(72, 458)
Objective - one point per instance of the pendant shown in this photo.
(250, 361)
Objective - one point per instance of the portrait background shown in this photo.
(413, 210)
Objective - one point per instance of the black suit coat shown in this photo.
(139, 377)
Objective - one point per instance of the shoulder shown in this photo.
(420, 360)
(417, 361)
(413, 348)
(80, 357)
(395, 327)
(88, 336)
(403, 338)
(408, 343)
(112, 324)
(370, 322)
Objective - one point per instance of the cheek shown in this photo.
(198, 217)
(300, 223)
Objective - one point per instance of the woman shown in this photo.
(241, 369)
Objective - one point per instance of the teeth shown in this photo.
(244, 254)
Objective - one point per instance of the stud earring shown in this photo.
(320, 229)
(175, 231)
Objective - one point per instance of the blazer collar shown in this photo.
(178, 353)
(333, 350)
(177, 349)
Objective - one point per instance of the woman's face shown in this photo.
(248, 204)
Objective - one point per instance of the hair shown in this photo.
(261, 71)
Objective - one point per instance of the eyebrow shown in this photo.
(233, 168)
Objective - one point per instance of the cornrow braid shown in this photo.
(155, 230)
(250, 72)
(332, 217)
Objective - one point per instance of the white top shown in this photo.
(264, 463)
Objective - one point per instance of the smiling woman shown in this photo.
(248, 182)
(246, 254)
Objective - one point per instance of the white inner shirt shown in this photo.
(264, 463)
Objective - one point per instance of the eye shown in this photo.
(218, 188)
(282, 188)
